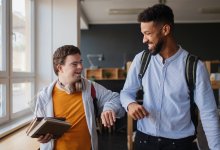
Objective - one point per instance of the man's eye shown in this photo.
(74, 64)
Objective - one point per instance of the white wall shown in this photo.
(66, 22)
(57, 23)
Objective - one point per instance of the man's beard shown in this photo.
(158, 47)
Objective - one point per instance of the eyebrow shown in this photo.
(77, 61)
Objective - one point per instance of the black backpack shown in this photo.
(190, 75)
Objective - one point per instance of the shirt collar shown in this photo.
(170, 59)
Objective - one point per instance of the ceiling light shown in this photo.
(210, 10)
(128, 11)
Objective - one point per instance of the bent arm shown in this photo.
(132, 83)
(108, 100)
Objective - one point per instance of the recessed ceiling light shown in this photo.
(127, 11)
(210, 10)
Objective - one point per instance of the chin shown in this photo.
(152, 51)
(78, 78)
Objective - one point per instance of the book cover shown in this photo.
(43, 126)
(33, 123)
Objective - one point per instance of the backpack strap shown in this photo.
(145, 59)
(93, 94)
(190, 75)
(97, 118)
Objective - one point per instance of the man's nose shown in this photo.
(145, 39)
(80, 66)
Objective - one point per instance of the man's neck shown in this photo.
(63, 81)
(169, 49)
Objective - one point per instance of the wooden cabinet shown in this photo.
(93, 74)
(105, 74)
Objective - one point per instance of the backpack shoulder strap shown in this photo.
(190, 70)
(97, 117)
(145, 59)
(190, 75)
(93, 94)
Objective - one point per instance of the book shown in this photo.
(41, 126)
(33, 123)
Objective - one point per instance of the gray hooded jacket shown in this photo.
(106, 100)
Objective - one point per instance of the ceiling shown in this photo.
(126, 11)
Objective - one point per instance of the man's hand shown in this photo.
(45, 138)
(108, 118)
(137, 111)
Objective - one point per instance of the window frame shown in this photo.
(6, 117)
(24, 111)
(5, 39)
(32, 47)
(7, 76)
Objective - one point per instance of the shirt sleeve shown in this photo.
(132, 83)
(108, 100)
(205, 100)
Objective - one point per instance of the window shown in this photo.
(17, 76)
(21, 29)
(1, 61)
(20, 97)
(2, 100)
(1, 39)
(4, 115)
(22, 93)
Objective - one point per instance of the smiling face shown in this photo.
(70, 71)
(152, 36)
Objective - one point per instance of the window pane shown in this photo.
(21, 24)
(2, 100)
(1, 51)
(21, 96)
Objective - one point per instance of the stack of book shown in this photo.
(41, 126)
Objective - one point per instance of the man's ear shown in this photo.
(59, 68)
(166, 29)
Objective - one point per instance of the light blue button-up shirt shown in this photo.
(166, 98)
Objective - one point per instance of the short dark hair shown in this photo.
(158, 13)
(61, 53)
